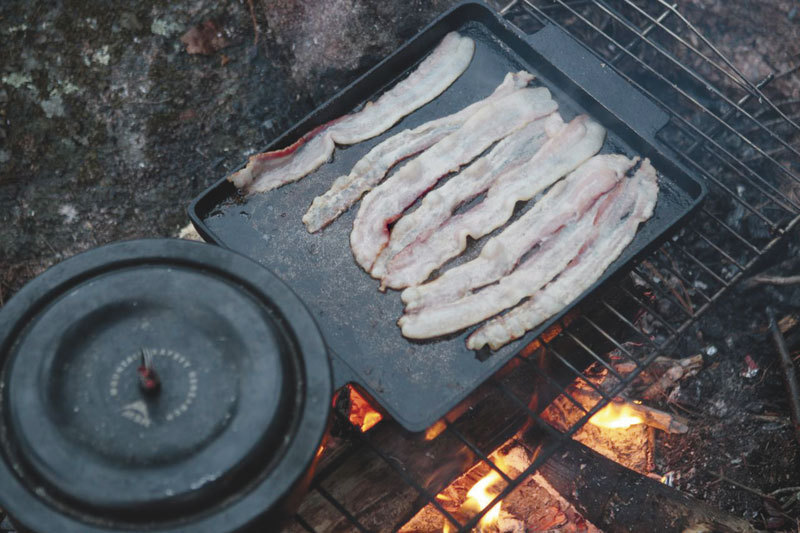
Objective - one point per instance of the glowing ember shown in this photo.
(616, 416)
(362, 414)
(478, 498)
(435, 430)
(370, 419)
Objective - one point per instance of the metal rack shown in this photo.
(723, 127)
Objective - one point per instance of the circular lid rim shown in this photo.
(29, 510)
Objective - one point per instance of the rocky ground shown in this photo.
(110, 124)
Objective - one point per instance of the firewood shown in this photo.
(770, 280)
(660, 364)
(789, 372)
(370, 489)
(658, 419)
(616, 499)
(662, 375)
(650, 416)
(786, 323)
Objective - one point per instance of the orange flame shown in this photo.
(480, 493)
(478, 498)
(435, 430)
(616, 416)
(362, 415)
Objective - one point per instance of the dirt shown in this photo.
(740, 423)
(758, 36)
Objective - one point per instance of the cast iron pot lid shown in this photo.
(157, 385)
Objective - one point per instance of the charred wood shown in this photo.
(616, 499)
(789, 372)
(661, 376)
(770, 280)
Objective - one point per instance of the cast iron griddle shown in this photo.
(418, 382)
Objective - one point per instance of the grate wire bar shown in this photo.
(725, 128)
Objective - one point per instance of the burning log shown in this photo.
(367, 486)
(373, 492)
(620, 413)
(789, 371)
(655, 382)
(625, 413)
(530, 507)
(617, 499)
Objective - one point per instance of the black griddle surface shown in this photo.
(418, 382)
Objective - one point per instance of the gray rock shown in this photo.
(129, 21)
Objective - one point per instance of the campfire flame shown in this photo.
(633, 449)
(478, 498)
(480, 493)
(362, 415)
(616, 416)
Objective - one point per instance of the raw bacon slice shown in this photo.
(543, 265)
(435, 74)
(442, 67)
(386, 203)
(573, 145)
(371, 168)
(273, 169)
(439, 204)
(564, 203)
(609, 240)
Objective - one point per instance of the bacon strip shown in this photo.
(543, 265)
(608, 241)
(370, 169)
(565, 202)
(386, 203)
(441, 68)
(575, 143)
(439, 204)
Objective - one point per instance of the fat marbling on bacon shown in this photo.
(612, 233)
(371, 169)
(573, 145)
(386, 203)
(434, 74)
(564, 236)
(438, 205)
(565, 202)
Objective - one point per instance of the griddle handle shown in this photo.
(599, 80)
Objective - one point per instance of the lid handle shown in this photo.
(149, 381)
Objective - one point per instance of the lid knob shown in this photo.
(149, 381)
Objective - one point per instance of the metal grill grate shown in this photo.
(724, 127)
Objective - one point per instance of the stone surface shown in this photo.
(105, 116)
